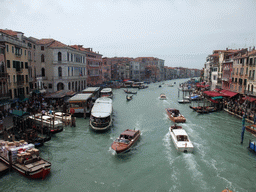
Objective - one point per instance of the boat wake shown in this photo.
(112, 152)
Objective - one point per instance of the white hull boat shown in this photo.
(181, 140)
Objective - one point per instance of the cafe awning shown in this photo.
(228, 93)
(250, 99)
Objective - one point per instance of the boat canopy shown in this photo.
(102, 108)
(128, 133)
(106, 90)
(80, 98)
(91, 89)
(180, 132)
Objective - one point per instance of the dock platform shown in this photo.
(3, 169)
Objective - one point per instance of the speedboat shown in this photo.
(181, 140)
(163, 96)
(175, 115)
(125, 141)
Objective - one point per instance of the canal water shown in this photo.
(82, 159)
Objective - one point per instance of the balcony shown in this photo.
(241, 74)
(20, 83)
(17, 54)
(228, 61)
(226, 68)
(3, 75)
(19, 70)
(251, 78)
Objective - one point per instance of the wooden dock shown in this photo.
(3, 169)
(239, 116)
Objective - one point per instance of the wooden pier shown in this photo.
(3, 169)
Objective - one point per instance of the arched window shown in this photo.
(60, 72)
(59, 56)
(69, 86)
(43, 72)
(42, 58)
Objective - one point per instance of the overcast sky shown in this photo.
(181, 32)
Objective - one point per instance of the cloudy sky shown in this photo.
(182, 32)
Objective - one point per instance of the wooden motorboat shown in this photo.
(130, 92)
(163, 96)
(129, 97)
(125, 141)
(175, 116)
(25, 159)
(206, 110)
(226, 190)
(180, 139)
(251, 128)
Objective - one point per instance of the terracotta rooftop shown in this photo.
(9, 32)
(44, 41)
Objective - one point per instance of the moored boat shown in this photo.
(106, 92)
(181, 140)
(125, 141)
(184, 101)
(101, 115)
(175, 115)
(251, 128)
(24, 158)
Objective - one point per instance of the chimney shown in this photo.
(20, 36)
(226, 49)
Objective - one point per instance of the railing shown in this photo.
(241, 74)
(2, 75)
(20, 83)
(68, 77)
(12, 40)
(17, 54)
(19, 70)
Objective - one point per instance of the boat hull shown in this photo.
(182, 146)
(38, 174)
(95, 128)
(122, 148)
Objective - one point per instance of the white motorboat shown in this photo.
(180, 139)
(163, 96)
(184, 101)
(106, 92)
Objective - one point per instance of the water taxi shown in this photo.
(106, 92)
(180, 139)
(163, 96)
(24, 158)
(101, 115)
(125, 141)
(175, 116)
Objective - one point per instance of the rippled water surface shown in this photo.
(82, 160)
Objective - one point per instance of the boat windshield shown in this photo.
(126, 141)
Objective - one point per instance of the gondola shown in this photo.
(129, 97)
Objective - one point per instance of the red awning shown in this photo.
(250, 99)
(213, 93)
(228, 93)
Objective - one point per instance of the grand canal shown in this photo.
(83, 161)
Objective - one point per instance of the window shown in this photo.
(68, 56)
(8, 64)
(71, 57)
(7, 48)
(26, 78)
(20, 51)
(34, 47)
(21, 65)
(13, 64)
(12, 49)
(26, 65)
(25, 52)
(42, 58)
(13, 78)
(60, 72)
(59, 56)
(50, 86)
(43, 72)
(27, 90)
(42, 48)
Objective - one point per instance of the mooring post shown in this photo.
(243, 129)
(10, 160)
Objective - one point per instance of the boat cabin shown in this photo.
(128, 134)
(137, 84)
(106, 92)
(181, 135)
